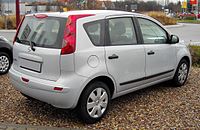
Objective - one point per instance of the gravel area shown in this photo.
(157, 107)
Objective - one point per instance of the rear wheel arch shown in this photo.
(105, 79)
(102, 82)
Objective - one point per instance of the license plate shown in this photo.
(30, 65)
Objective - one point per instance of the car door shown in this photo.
(125, 57)
(160, 54)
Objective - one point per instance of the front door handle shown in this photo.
(114, 56)
(151, 53)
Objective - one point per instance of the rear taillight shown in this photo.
(69, 40)
(18, 29)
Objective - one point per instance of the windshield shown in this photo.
(46, 32)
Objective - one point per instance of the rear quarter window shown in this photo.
(95, 31)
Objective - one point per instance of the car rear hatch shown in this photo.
(37, 46)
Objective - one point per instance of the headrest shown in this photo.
(119, 28)
(93, 28)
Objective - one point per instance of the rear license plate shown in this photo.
(30, 65)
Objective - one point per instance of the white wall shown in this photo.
(8, 34)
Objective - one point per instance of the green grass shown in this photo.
(195, 52)
(189, 21)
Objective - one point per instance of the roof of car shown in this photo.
(96, 12)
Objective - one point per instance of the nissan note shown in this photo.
(83, 59)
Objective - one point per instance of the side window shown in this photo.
(151, 32)
(94, 31)
(121, 31)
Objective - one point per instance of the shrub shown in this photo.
(11, 22)
(195, 52)
(161, 17)
(190, 18)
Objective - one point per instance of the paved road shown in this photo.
(4, 126)
(188, 32)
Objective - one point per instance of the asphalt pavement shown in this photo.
(190, 33)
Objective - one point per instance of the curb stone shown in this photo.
(4, 126)
(175, 26)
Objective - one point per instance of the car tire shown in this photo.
(181, 74)
(5, 63)
(94, 102)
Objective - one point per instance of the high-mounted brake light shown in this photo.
(69, 40)
(20, 24)
(41, 16)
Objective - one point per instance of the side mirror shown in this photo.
(174, 39)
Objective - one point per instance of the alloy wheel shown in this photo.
(97, 102)
(182, 73)
(4, 63)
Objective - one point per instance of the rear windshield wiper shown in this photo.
(31, 43)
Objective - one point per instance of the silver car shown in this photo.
(83, 59)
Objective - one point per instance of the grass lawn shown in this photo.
(195, 52)
(189, 21)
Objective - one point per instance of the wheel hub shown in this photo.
(97, 102)
(182, 73)
(4, 63)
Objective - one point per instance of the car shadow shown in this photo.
(41, 110)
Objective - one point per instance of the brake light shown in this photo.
(69, 39)
(57, 89)
(20, 24)
(25, 80)
(41, 16)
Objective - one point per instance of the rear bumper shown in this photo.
(43, 90)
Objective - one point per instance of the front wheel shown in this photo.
(94, 102)
(181, 74)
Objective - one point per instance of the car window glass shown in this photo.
(46, 32)
(94, 30)
(122, 32)
(151, 32)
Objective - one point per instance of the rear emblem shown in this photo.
(29, 49)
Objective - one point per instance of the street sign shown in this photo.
(134, 7)
(184, 5)
(193, 2)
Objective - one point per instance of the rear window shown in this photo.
(46, 32)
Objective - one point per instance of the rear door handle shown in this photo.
(114, 56)
(151, 53)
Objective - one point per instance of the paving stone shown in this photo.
(158, 107)
(31, 129)
(10, 128)
(2, 127)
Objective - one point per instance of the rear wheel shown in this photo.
(94, 102)
(181, 74)
(5, 63)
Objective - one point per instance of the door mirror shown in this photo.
(174, 39)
